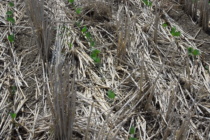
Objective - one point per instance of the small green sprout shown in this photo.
(194, 52)
(11, 19)
(174, 32)
(11, 4)
(13, 89)
(164, 24)
(132, 130)
(78, 10)
(13, 115)
(88, 35)
(147, 2)
(11, 38)
(111, 94)
(92, 43)
(70, 45)
(9, 13)
(71, 1)
(94, 55)
(84, 29)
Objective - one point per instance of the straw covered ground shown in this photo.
(59, 76)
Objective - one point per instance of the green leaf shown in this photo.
(190, 50)
(11, 4)
(111, 94)
(13, 115)
(13, 89)
(96, 59)
(173, 29)
(9, 13)
(196, 52)
(95, 53)
(78, 10)
(71, 1)
(177, 33)
(88, 35)
(174, 32)
(84, 29)
(11, 38)
(132, 130)
(147, 2)
(70, 45)
(92, 43)
(164, 24)
(132, 138)
(11, 19)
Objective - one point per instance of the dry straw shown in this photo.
(62, 94)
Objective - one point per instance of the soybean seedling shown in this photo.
(147, 3)
(132, 132)
(193, 52)
(111, 94)
(11, 38)
(164, 24)
(174, 32)
(10, 13)
(13, 115)
(95, 56)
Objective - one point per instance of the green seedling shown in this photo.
(11, 19)
(92, 43)
(11, 38)
(174, 32)
(194, 52)
(78, 11)
(11, 4)
(71, 1)
(84, 29)
(70, 45)
(94, 55)
(13, 115)
(132, 132)
(9, 13)
(88, 35)
(111, 94)
(164, 25)
(147, 2)
(13, 89)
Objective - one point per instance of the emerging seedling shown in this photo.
(147, 3)
(13, 89)
(11, 38)
(94, 55)
(164, 24)
(84, 29)
(193, 52)
(13, 115)
(132, 132)
(111, 94)
(78, 11)
(71, 1)
(11, 19)
(11, 4)
(174, 32)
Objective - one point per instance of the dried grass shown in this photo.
(62, 94)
